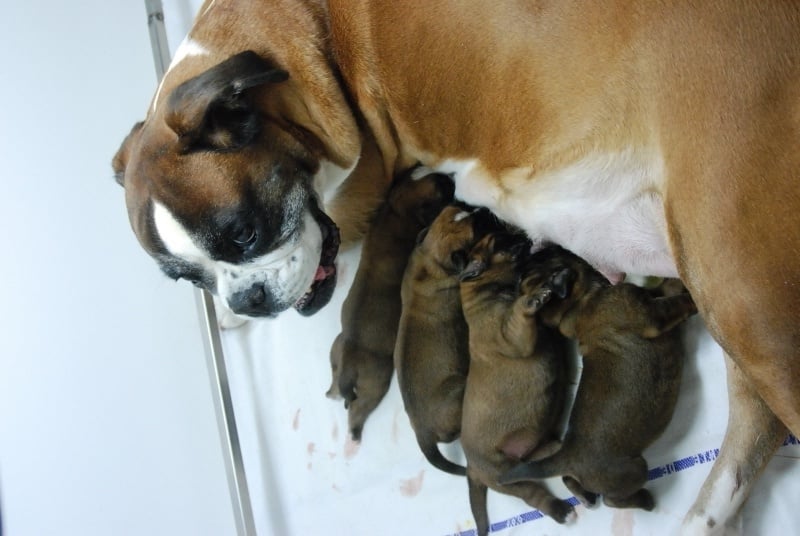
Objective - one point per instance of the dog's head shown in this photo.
(221, 184)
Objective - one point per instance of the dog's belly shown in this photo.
(607, 208)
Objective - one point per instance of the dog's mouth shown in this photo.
(321, 290)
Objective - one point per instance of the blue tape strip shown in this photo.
(655, 473)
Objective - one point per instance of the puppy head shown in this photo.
(221, 186)
(452, 235)
(418, 196)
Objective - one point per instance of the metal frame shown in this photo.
(215, 359)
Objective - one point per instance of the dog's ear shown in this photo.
(213, 110)
(561, 282)
(120, 160)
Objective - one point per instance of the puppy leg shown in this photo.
(621, 482)
(336, 362)
(753, 435)
(374, 378)
(536, 495)
(639, 499)
(587, 498)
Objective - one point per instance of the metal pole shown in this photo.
(218, 375)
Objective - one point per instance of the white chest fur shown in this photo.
(607, 208)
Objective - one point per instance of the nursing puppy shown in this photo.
(370, 313)
(432, 351)
(632, 362)
(515, 390)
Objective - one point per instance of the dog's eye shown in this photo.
(245, 236)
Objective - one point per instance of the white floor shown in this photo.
(306, 477)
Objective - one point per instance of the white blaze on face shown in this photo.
(285, 273)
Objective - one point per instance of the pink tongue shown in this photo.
(323, 272)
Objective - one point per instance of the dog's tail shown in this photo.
(537, 470)
(431, 451)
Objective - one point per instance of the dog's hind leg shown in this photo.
(374, 378)
(587, 498)
(538, 496)
(753, 435)
(621, 482)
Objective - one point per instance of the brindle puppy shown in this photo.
(517, 379)
(432, 352)
(632, 362)
(370, 313)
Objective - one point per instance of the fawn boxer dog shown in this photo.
(656, 138)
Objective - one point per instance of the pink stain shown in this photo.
(412, 486)
(622, 523)
(296, 420)
(351, 448)
(310, 449)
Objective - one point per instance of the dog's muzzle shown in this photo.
(325, 277)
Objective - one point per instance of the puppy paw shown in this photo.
(562, 512)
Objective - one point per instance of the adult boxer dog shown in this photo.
(655, 138)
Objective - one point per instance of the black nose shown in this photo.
(252, 302)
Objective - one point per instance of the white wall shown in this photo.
(106, 418)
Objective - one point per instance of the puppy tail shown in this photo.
(434, 455)
(524, 472)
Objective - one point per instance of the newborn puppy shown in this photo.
(432, 354)
(632, 361)
(371, 311)
(517, 379)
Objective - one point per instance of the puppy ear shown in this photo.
(120, 160)
(422, 234)
(459, 260)
(213, 110)
(561, 282)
